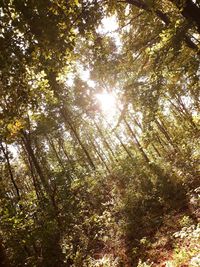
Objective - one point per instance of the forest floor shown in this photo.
(177, 241)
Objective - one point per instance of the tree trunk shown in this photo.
(29, 163)
(165, 132)
(101, 157)
(156, 150)
(65, 113)
(61, 145)
(120, 140)
(56, 153)
(189, 10)
(163, 17)
(29, 149)
(5, 152)
(144, 155)
(105, 141)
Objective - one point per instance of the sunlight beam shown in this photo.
(107, 103)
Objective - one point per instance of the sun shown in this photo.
(107, 103)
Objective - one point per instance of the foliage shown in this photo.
(84, 182)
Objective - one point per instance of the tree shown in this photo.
(76, 181)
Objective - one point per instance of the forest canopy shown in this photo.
(99, 129)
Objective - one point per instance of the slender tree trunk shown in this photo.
(189, 10)
(5, 152)
(106, 157)
(163, 17)
(27, 144)
(105, 141)
(36, 183)
(66, 155)
(120, 140)
(162, 142)
(100, 156)
(144, 155)
(156, 150)
(51, 192)
(164, 130)
(188, 115)
(65, 115)
(67, 118)
(56, 153)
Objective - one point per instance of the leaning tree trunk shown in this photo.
(164, 18)
(66, 115)
(5, 153)
(139, 146)
(189, 10)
